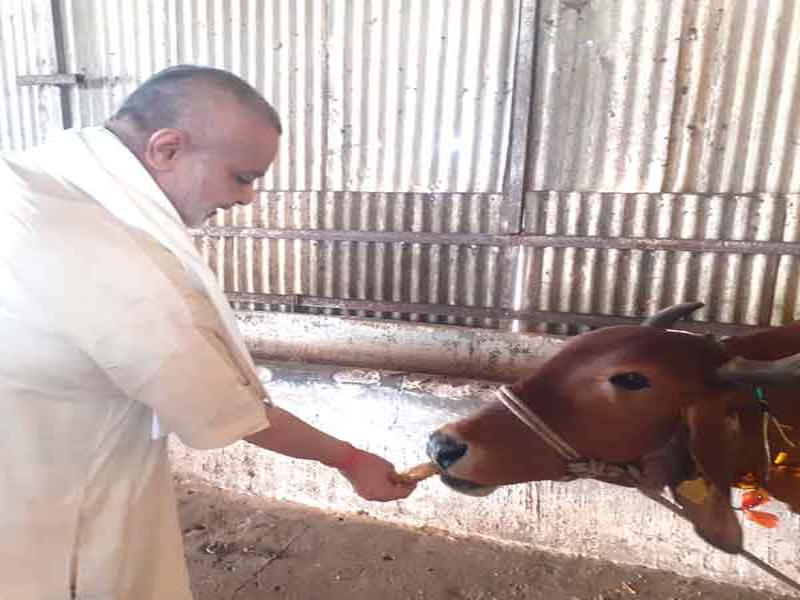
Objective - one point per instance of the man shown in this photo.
(115, 333)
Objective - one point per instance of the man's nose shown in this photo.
(444, 449)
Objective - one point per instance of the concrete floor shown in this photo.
(242, 547)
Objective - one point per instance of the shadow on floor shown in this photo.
(242, 547)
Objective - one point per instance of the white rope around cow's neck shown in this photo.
(577, 467)
(532, 420)
(583, 468)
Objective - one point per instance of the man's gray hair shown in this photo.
(161, 100)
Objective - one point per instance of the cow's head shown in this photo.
(622, 395)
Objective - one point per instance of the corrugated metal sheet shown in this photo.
(737, 114)
(604, 93)
(27, 114)
(376, 96)
(750, 289)
(640, 98)
(442, 75)
(699, 97)
(402, 272)
(397, 117)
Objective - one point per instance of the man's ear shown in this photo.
(164, 147)
(706, 499)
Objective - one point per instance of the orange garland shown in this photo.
(755, 495)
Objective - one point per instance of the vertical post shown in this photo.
(768, 291)
(512, 213)
(521, 102)
(61, 62)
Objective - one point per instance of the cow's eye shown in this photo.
(630, 381)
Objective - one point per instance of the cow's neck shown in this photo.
(770, 345)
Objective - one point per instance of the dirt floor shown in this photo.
(242, 547)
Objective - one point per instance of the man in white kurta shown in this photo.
(114, 335)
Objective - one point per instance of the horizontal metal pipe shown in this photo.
(296, 301)
(529, 240)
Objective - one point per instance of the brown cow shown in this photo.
(677, 407)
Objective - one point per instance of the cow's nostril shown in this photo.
(444, 449)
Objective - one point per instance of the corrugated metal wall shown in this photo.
(377, 95)
(658, 132)
(736, 127)
(397, 118)
(656, 103)
(27, 113)
(604, 94)
(243, 248)
(662, 96)
(754, 283)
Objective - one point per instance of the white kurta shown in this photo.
(101, 327)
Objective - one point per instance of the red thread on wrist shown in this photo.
(349, 460)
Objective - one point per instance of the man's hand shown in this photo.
(374, 478)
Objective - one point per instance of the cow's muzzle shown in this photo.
(446, 450)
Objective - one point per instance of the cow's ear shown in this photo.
(707, 499)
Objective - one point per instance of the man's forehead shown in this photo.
(248, 141)
(216, 113)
